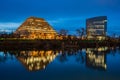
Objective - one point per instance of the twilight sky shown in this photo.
(67, 14)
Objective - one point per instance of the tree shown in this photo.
(0, 34)
(3, 34)
(80, 32)
(63, 32)
(114, 35)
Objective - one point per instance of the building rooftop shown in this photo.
(97, 18)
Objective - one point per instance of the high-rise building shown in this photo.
(96, 27)
(35, 28)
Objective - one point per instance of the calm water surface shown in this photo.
(84, 64)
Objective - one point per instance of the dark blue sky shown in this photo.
(67, 14)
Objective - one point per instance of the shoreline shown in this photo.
(54, 44)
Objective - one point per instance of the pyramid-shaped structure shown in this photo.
(36, 28)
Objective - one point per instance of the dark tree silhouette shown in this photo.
(80, 32)
(63, 32)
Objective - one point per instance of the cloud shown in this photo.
(9, 25)
(66, 20)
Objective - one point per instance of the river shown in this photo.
(71, 64)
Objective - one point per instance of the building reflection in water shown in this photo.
(36, 60)
(33, 60)
(96, 58)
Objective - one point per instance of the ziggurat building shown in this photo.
(35, 28)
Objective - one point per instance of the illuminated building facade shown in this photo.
(35, 28)
(96, 27)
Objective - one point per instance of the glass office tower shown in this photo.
(96, 27)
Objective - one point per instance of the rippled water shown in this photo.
(71, 64)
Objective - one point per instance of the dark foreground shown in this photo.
(55, 44)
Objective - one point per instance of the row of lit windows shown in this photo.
(100, 22)
(96, 32)
(96, 27)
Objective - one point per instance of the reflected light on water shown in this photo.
(96, 58)
(64, 64)
(36, 60)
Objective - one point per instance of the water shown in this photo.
(71, 64)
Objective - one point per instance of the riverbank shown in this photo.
(55, 44)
